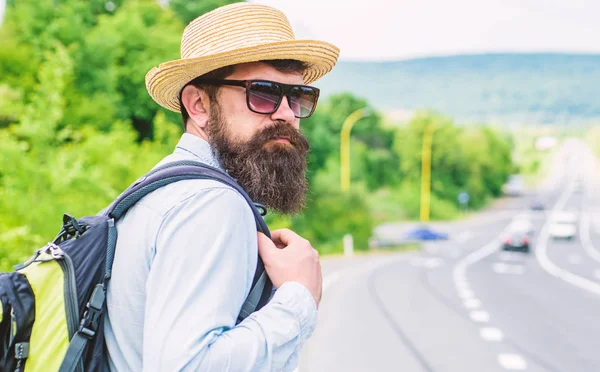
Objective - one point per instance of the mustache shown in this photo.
(281, 130)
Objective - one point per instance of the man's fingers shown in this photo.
(283, 237)
(265, 245)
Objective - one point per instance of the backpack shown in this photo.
(53, 304)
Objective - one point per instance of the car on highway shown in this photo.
(563, 225)
(537, 205)
(516, 241)
(514, 186)
(425, 233)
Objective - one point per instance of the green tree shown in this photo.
(331, 214)
(474, 159)
(112, 63)
(188, 10)
(376, 167)
(48, 169)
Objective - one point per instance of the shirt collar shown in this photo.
(190, 144)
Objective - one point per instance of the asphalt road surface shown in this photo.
(463, 305)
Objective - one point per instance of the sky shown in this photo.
(378, 30)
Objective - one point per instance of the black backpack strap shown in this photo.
(261, 289)
(185, 170)
(17, 295)
(73, 360)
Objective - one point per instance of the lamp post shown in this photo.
(426, 172)
(345, 145)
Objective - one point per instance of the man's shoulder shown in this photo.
(164, 199)
(201, 191)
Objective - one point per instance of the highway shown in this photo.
(463, 305)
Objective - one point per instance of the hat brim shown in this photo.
(166, 81)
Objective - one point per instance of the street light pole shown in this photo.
(345, 146)
(426, 173)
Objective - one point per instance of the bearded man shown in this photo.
(187, 252)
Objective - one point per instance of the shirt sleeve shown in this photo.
(205, 258)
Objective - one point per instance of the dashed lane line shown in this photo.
(491, 334)
(479, 316)
(512, 362)
(472, 303)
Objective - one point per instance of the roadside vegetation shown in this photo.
(77, 127)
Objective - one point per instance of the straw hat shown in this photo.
(232, 34)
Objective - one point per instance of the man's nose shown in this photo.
(285, 113)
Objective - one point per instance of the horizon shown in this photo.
(526, 87)
(482, 54)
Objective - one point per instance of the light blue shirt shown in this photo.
(184, 263)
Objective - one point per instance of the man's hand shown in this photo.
(290, 258)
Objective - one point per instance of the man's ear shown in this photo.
(196, 103)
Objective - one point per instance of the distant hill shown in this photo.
(526, 88)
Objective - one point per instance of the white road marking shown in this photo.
(512, 362)
(462, 286)
(502, 268)
(541, 253)
(597, 274)
(491, 334)
(584, 237)
(465, 294)
(472, 303)
(480, 316)
(459, 273)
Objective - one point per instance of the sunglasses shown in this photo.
(264, 96)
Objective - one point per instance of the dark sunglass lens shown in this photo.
(263, 96)
(303, 101)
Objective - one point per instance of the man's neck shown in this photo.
(198, 132)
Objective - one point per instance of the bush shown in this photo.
(47, 171)
(332, 215)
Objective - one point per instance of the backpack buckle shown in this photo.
(91, 317)
(262, 209)
(72, 227)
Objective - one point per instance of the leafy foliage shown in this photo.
(187, 10)
(472, 159)
(77, 127)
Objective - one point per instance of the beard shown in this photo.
(272, 173)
